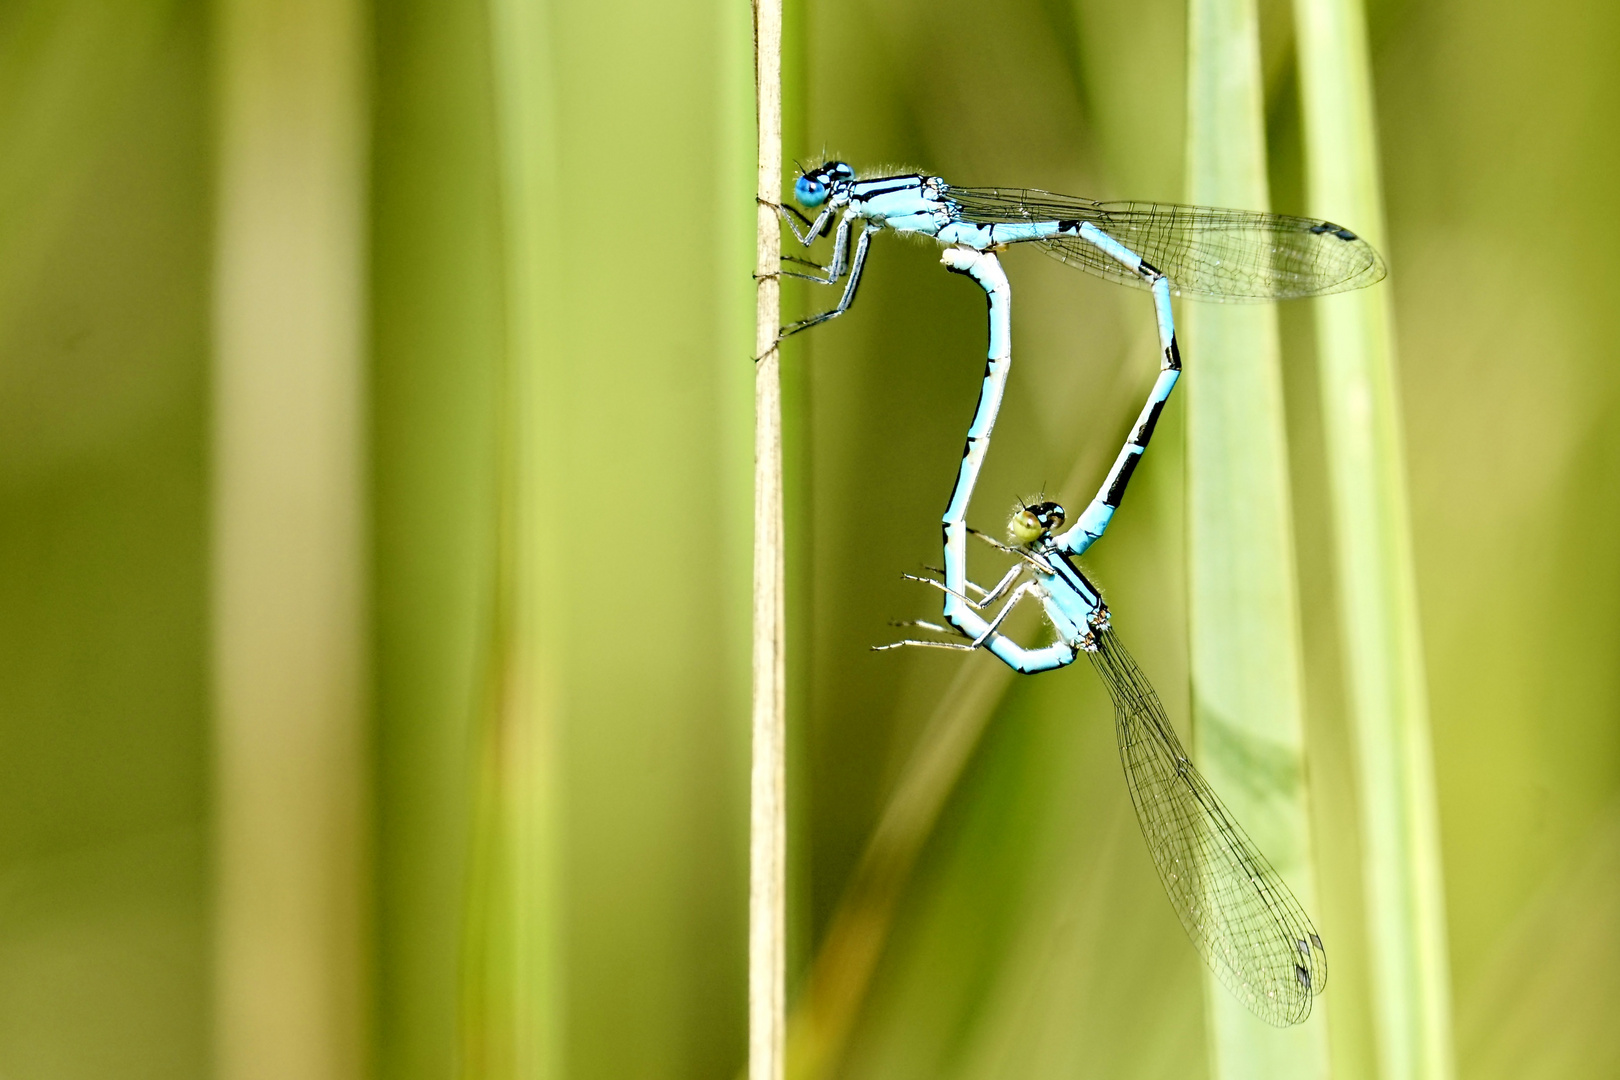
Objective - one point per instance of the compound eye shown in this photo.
(1026, 526)
(810, 193)
(1034, 522)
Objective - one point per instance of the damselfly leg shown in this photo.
(790, 214)
(988, 598)
(837, 271)
(972, 588)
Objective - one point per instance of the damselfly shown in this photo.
(1211, 253)
(1240, 915)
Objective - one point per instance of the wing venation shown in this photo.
(1241, 917)
(1207, 252)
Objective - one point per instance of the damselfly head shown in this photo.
(1035, 521)
(813, 187)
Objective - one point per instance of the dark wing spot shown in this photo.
(1337, 230)
(1304, 976)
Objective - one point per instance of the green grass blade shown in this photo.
(1245, 644)
(514, 1021)
(612, 943)
(836, 988)
(437, 319)
(1378, 592)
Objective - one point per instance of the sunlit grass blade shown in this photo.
(514, 1021)
(288, 556)
(841, 973)
(1248, 717)
(1406, 925)
(620, 733)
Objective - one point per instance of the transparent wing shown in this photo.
(1240, 916)
(1205, 251)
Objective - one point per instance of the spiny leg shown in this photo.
(858, 264)
(993, 542)
(787, 209)
(834, 270)
(1028, 661)
(1001, 586)
(991, 628)
(1094, 521)
(828, 274)
(924, 624)
(813, 229)
(1016, 552)
(986, 596)
(973, 587)
(919, 643)
(819, 277)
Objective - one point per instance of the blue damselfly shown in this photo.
(1238, 912)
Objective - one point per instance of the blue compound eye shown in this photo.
(810, 193)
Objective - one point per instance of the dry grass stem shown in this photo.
(767, 888)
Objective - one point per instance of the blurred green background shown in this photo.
(1029, 937)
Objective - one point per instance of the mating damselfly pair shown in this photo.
(1240, 915)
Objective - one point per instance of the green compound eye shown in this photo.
(1025, 528)
(1033, 522)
